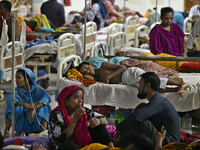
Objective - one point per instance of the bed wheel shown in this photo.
(45, 83)
(1, 95)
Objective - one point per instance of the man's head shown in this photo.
(149, 82)
(5, 7)
(86, 68)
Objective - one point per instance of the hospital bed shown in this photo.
(124, 96)
(35, 56)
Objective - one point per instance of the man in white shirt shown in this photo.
(195, 10)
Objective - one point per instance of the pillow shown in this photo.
(70, 65)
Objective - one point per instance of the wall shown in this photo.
(138, 5)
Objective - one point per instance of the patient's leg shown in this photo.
(44, 124)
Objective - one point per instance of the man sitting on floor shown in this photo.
(114, 74)
(157, 113)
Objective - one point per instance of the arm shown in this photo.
(154, 43)
(74, 12)
(118, 69)
(62, 15)
(140, 115)
(88, 77)
(159, 140)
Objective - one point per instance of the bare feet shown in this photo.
(36, 147)
(6, 134)
(183, 88)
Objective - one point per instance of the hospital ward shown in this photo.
(100, 74)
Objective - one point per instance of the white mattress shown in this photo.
(126, 96)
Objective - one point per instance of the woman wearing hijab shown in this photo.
(71, 126)
(32, 107)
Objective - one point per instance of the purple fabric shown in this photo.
(32, 140)
(164, 41)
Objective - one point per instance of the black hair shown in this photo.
(81, 65)
(166, 10)
(66, 98)
(141, 105)
(25, 75)
(153, 79)
(7, 5)
(1, 140)
(140, 142)
(95, 1)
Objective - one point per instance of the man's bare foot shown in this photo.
(6, 134)
(183, 88)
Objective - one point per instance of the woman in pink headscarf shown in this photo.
(71, 126)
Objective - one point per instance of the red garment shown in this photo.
(188, 138)
(190, 66)
(29, 37)
(81, 135)
(67, 2)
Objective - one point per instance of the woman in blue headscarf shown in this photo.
(32, 107)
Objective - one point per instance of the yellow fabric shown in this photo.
(60, 28)
(167, 64)
(20, 18)
(73, 73)
(147, 13)
(41, 21)
(178, 146)
(98, 146)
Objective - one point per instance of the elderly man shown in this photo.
(195, 10)
(5, 13)
(54, 11)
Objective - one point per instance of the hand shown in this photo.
(31, 115)
(6, 134)
(160, 137)
(106, 79)
(73, 12)
(118, 136)
(94, 122)
(38, 105)
(29, 106)
(36, 147)
(78, 114)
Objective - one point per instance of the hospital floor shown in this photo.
(51, 90)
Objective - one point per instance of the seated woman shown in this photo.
(97, 14)
(71, 126)
(32, 107)
(167, 37)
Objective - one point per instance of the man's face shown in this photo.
(142, 94)
(87, 70)
(198, 2)
(2, 9)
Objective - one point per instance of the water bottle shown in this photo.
(111, 120)
(179, 118)
(187, 123)
(121, 117)
(28, 8)
(22, 134)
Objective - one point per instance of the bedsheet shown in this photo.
(50, 48)
(126, 96)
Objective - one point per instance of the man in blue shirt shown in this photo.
(157, 113)
(179, 19)
(54, 11)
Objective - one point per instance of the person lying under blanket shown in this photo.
(114, 74)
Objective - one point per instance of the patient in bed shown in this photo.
(114, 74)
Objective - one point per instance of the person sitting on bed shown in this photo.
(114, 74)
(32, 107)
(167, 37)
(157, 113)
(71, 126)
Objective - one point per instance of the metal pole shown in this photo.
(124, 17)
(156, 11)
(85, 30)
(13, 77)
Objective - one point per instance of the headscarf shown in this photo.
(81, 134)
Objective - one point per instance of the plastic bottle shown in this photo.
(186, 123)
(121, 117)
(111, 120)
(179, 118)
(28, 8)
(22, 10)
(22, 134)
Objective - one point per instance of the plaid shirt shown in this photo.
(160, 112)
(54, 11)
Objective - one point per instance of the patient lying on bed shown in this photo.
(114, 74)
